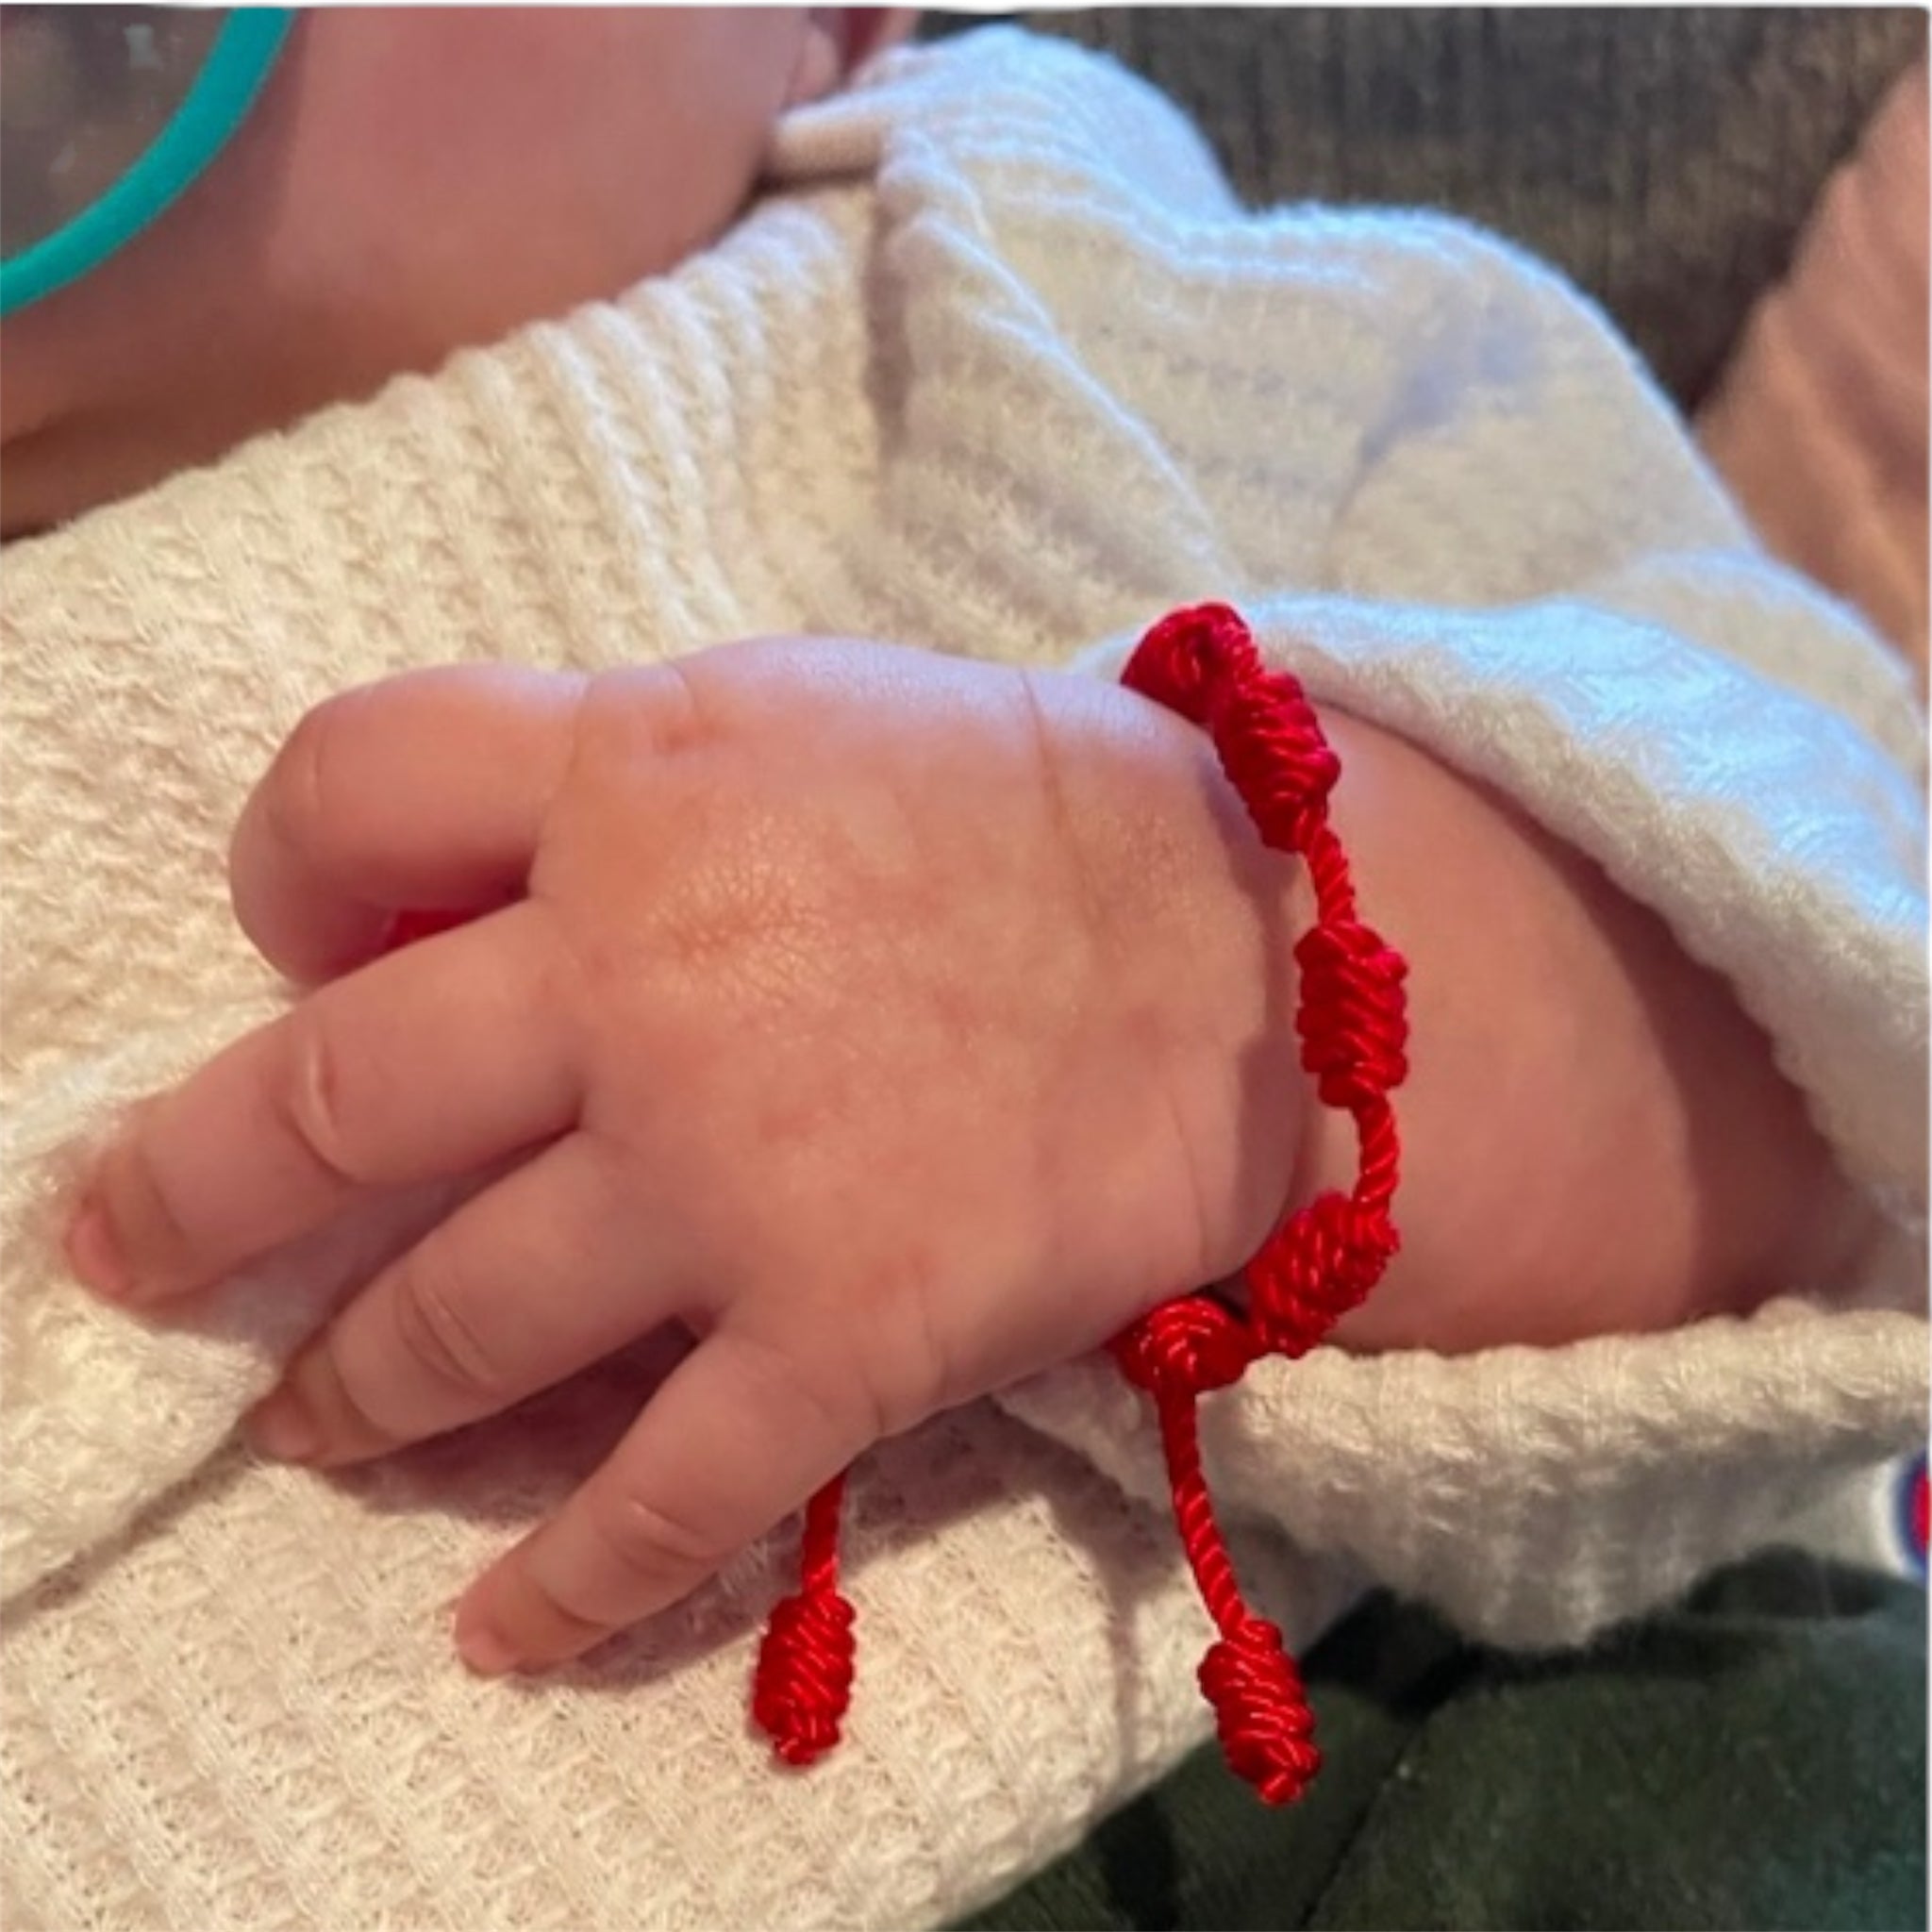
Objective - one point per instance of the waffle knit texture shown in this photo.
(998, 367)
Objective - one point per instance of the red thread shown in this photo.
(1188, 1346)
(1351, 1013)
(802, 1682)
(1317, 1264)
(1321, 1262)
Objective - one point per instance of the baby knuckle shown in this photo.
(896, 1368)
(140, 1205)
(679, 719)
(427, 1310)
(356, 1414)
(659, 702)
(925, 1373)
(804, 1403)
(299, 794)
(310, 1100)
(651, 1544)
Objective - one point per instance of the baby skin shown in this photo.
(892, 1025)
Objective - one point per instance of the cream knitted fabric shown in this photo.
(998, 368)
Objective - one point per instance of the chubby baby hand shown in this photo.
(894, 1026)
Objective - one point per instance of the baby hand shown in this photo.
(896, 1026)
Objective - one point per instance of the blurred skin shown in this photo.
(894, 1026)
(1819, 421)
(408, 183)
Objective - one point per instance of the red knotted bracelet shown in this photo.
(1318, 1264)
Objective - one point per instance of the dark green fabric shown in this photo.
(1663, 158)
(1756, 1759)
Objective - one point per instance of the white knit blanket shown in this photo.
(997, 368)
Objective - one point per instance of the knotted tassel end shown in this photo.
(802, 1682)
(1267, 1729)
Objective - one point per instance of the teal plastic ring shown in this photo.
(230, 79)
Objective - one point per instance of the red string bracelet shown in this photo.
(1319, 1263)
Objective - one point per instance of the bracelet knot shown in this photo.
(1185, 1347)
(1353, 1018)
(1320, 1263)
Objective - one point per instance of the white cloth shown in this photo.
(998, 368)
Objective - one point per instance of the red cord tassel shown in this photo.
(1177, 1353)
(1316, 1266)
(802, 1682)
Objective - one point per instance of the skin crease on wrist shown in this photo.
(1678, 1177)
(357, 227)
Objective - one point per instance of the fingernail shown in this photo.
(93, 1256)
(483, 1648)
(281, 1427)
